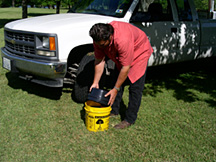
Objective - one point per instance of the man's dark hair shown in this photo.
(101, 31)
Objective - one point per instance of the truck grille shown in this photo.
(19, 43)
(16, 48)
(20, 36)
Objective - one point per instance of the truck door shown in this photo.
(188, 28)
(172, 39)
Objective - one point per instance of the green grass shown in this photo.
(176, 121)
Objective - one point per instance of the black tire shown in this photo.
(84, 79)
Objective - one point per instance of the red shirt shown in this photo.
(129, 46)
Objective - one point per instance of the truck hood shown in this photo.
(56, 22)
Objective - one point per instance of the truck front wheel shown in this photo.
(84, 78)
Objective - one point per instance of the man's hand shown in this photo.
(121, 78)
(93, 86)
(112, 93)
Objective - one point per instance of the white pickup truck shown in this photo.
(54, 50)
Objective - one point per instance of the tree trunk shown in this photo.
(13, 3)
(24, 9)
(58, 6)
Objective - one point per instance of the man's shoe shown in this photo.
(122, 125)
(113, 115)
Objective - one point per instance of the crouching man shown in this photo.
(130, 49)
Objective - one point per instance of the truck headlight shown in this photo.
(52, 43)
(46, 46)
(49, 43)
(45, 42)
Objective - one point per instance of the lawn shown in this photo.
(176, 121)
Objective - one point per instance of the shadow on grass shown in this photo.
(5, 21)
(185, 79)
(82, 114)
(32, 88)
(39, 14)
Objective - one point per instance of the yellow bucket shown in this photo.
(96, 116)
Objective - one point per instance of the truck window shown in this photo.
(115, 8)
(184, 11)
(157, 10)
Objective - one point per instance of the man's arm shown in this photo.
(99, 68)
(121, 78)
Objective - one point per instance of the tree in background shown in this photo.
(38, 3)
(69, 3)
(24, 9)
(58, 3)
(55, 4)
(201, 5)
(5, 3)
(13, 3)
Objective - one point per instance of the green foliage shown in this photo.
(37, 3)
(201, 5)
(5, 3)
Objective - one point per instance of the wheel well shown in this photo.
(77, 53)
(73, 62)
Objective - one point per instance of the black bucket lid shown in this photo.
(97, 95)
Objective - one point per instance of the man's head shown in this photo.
(101, 34)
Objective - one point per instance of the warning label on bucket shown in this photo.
(99, 121)
(97, 124)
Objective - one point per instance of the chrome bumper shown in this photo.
(46, 73)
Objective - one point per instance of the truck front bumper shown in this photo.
(45, 73)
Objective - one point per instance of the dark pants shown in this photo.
(135, 96)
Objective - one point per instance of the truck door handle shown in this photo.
(174, 30)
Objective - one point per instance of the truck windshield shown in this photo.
(115, 8)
